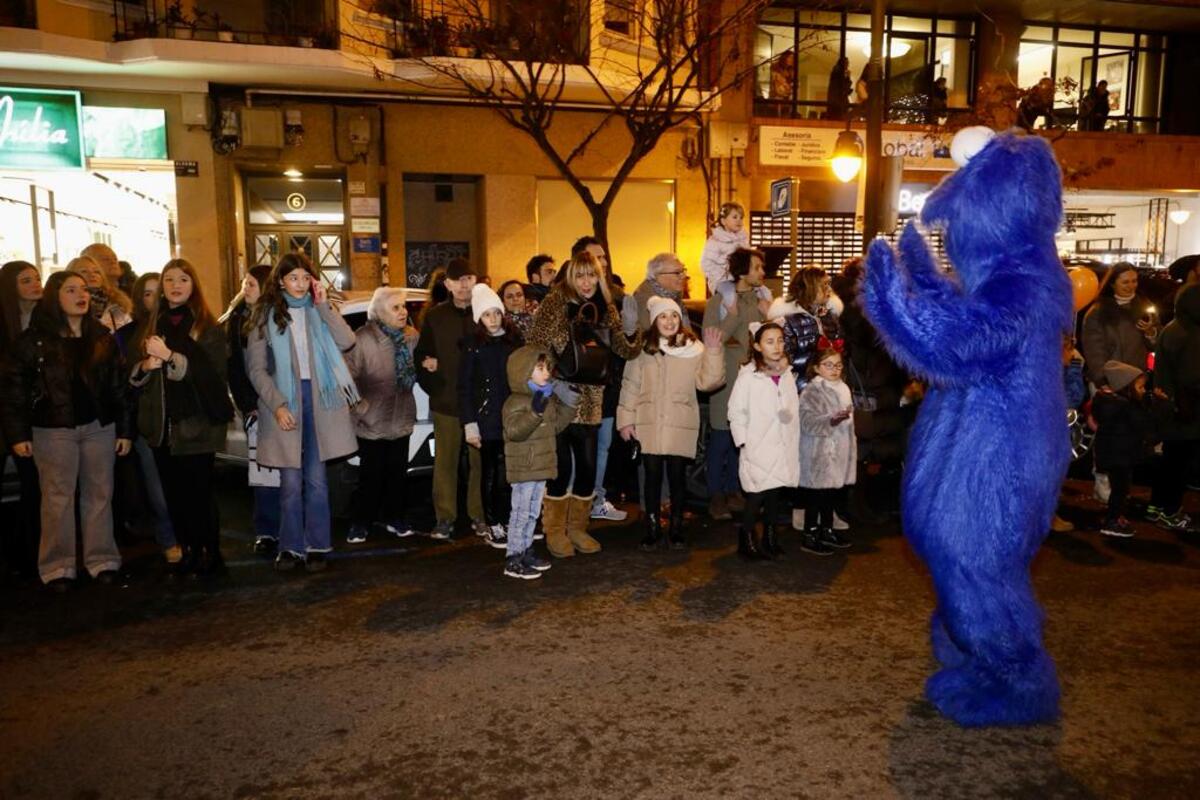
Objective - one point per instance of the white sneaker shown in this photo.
(1102, 488)
(607, 510)
(798, 518)
(840, 524)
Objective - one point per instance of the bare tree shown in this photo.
(658, 65)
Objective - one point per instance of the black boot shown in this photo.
(653, 533)
(747, 548)
(675, 532)
(771, 542)
(810, 542)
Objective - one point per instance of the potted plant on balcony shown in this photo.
(180, 24)
(438, 30)
(464, 41)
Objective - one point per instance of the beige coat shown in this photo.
(386, 411)
(335, 429)
(658, 397)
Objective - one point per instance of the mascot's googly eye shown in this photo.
(968, 142)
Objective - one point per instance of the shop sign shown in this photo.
(787, 146)
(110, 132)
(296, 202)
(358, 187)
(40, 129)
(187, 169)
(365, 244)
(364, 225)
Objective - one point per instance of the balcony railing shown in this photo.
(291, 23)
(535, 30)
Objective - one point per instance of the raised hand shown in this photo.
(712, 338)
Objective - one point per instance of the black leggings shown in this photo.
(1120, 479)
(819, 506)
(675, 466)
(497, 495)
(768, 501)
(577, 452)
(187, 484)
(382, 489)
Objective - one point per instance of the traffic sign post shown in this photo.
(783, 204)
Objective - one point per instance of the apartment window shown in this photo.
(928, 66)
(1077, 59)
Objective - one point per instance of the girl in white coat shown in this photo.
(764, 421)
(828, 451)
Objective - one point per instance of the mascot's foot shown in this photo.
(973, 700)
(944, 648)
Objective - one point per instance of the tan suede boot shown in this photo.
(554, 525)
(579, 516)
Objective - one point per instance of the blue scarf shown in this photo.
(406, 373)
(333, 378)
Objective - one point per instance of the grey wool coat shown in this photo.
(386, 411)
(335, 428)
(828, 453)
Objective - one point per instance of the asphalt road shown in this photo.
(426, 674)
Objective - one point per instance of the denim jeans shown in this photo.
(164, 531)
(722, 467)
(266, 511)
(603, 442)
(526, 507)
(304, 493)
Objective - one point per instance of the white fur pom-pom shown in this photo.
(968, 142)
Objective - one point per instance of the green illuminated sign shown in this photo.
(40, 129)
(125, 132)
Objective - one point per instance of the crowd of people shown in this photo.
(117, 392)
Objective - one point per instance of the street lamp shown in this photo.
(847, 156)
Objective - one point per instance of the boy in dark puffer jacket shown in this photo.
(534, 414)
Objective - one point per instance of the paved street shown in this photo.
(426, 674)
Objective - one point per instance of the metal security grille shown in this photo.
(824, 238)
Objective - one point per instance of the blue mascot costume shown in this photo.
(990, 446)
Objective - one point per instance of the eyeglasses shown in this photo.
(674, 272)
(832, 365)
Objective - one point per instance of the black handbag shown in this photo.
(865, 405)
(586, 359)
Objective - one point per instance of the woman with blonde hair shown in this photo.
(111, 307)
(579, 307)
(184, 408)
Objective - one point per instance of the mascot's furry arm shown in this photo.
(989, 448)
(934, 329)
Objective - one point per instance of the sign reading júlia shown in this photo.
(40, 129)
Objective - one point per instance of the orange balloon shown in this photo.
(1084, 285)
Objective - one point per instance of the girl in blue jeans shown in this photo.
(305, 391)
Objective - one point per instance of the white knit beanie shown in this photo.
(484, 297)
(657, 305)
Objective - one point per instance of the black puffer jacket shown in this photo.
(483, 383)
(36, 390)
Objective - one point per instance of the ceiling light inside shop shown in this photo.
(1180, 216)
(292, 172)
